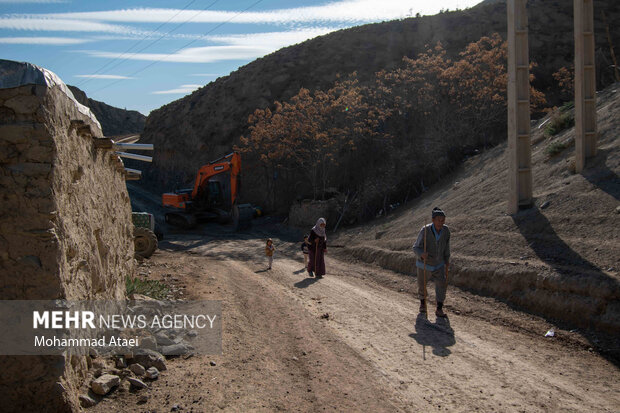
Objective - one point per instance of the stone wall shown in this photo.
(65, 229)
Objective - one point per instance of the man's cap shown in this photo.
(437, 212)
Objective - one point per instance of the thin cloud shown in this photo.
(184, 89)
(342, 12)
(272, 40)
(104, 76)
(350, 11)
(208, 54)
(237, 47)
(33, 1)
(206, 74)
(59, 41)
(61, 25)
(114, 31)
(116, 37)
(148, 36)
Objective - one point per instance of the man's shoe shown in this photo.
(439, 313)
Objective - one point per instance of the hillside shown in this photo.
(560, 260)
(114, 121)
(207, 123)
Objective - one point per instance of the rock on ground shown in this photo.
(137, 383)
(137, 369)
(152, 373)
(87, 401)
(148, 343)
(150, 358)
(104, 384)
(175, 349)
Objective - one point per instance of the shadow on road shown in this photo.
(306, 282)
(438, 335)
(189, 244)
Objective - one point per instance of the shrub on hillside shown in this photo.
(559, 123)
(555, 148)
(567, 106)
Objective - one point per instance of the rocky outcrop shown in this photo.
(65, 229)
(114, 121)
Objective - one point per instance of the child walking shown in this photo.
(305, 249)
(269, 250)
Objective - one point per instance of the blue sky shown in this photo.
(141, 55)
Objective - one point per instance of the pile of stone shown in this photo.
(130, 372)
(170, 343)
(136, 369)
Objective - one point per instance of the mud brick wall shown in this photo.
(65, 229)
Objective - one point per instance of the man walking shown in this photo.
(432, 247)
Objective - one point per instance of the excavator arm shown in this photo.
(214, 195)
(230, 162)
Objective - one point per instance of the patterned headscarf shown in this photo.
(317, 228)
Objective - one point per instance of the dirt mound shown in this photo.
(559, 259)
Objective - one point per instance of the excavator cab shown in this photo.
(213, 197)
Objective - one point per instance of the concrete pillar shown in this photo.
(519, 149)
(585, 83)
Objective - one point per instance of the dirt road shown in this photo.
(353, 341)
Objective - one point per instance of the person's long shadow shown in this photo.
(306, 282)
(299, 271)
(438, 335)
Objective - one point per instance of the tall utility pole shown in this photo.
(585, 84)
(519, 141)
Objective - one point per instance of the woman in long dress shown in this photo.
(318, 248)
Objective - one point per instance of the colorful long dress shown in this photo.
(316, 256)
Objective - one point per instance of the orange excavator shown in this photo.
(213, 197)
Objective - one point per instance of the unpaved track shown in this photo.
(373, 353)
